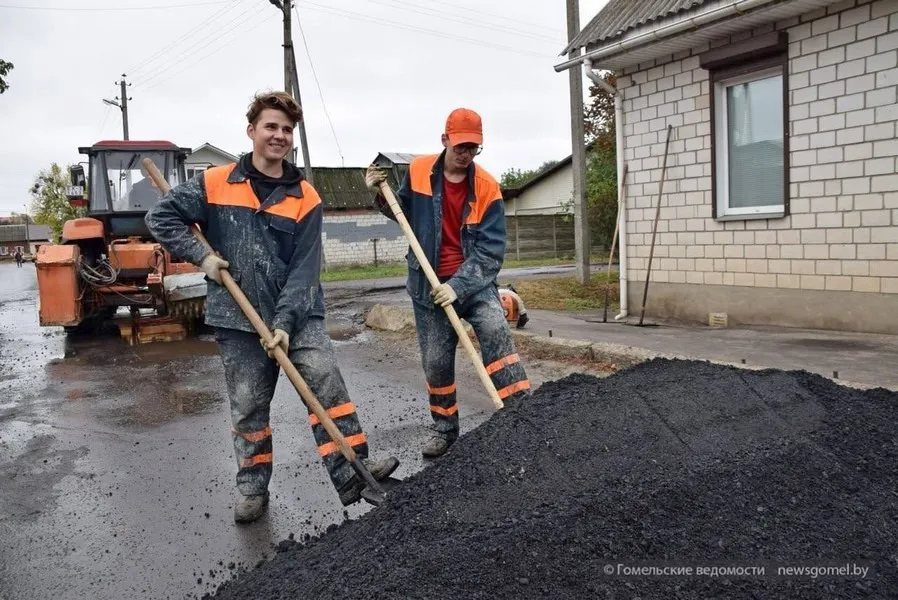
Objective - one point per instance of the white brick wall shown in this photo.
(357, 248)
(842, 231)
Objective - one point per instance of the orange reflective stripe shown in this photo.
(222, 193)
(419, 172)
(441, 391)
(446, 412)
(514, 387)
(352, 440)
(258, 459)
(502, 363)
(254, 436)
(296, 208)
(334, 413)
(486, 191)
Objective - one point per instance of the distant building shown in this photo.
(21, 237)
(206, 156)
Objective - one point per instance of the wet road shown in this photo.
(116, 463)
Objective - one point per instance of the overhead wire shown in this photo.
(111, 9)
(217, 33)
(193, 64)
(318, 84)
(503, 18)
(362, 17)
(181, 37)
(455, 17)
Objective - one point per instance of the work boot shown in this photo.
(522, 320)
(437, 446)
(250, 508)
(351, 491)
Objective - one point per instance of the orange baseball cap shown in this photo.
(464, 127)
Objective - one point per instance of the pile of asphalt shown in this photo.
(667, 465)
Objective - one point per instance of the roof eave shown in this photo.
(676, 34)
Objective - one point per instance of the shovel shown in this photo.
(373, 492)
(434, 283)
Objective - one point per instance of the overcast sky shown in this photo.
(389, 71)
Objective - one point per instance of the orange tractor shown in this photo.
(108, 260)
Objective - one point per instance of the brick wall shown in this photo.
(347, 238)
(842, 233)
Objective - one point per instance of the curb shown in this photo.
(615, 355)
(396, 318)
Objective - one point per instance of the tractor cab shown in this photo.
(120, 192)
(109, 259)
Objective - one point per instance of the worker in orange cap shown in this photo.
(456, 211)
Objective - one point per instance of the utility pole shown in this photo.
(291, 83)
(582, 241)
(122, 104)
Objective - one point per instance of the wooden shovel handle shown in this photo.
(434, 283)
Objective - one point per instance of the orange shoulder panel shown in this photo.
(297, 208)
(486, 191)
(222, 193)
(419, 172)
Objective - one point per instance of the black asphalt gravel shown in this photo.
(667, 465)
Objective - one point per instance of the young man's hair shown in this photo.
(281, 101)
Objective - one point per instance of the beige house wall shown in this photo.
(838, 247)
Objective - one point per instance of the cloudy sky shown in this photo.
(389, 71)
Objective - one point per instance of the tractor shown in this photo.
(108, 260)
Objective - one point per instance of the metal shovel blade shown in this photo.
(378, 497)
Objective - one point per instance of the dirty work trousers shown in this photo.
(438, 341)
(251, 378)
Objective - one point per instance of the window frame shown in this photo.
(721, 148)
(753, 59)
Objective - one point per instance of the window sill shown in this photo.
(752, 217)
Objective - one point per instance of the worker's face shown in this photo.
(272, 134)
(461, 156)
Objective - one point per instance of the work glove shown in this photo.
(444, 295)
(374, 176)
(212, 266)
(280, 338)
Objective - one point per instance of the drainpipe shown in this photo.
(619, 151)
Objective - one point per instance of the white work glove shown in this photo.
(280, 338)
(373, 177)
(212, 266)
(444, 295)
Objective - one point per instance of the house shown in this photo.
(205, 156)
(538, 214)
(780, 200)
(397, 163)
(354, 231)
(27, 238)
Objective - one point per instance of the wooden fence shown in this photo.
(539, 236)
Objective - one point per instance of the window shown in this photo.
(195, 169)
(750, 150)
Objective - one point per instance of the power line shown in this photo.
(111, 9)
(453, 16)
(181, 37)
(195, 63)
(433, 32)
(503, 18)
(318, 83)
(161, 70)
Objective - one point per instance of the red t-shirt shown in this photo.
(454, 197)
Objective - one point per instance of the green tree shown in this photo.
(513, 178)
(49, 203)
(601, 163)
(5, 68)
